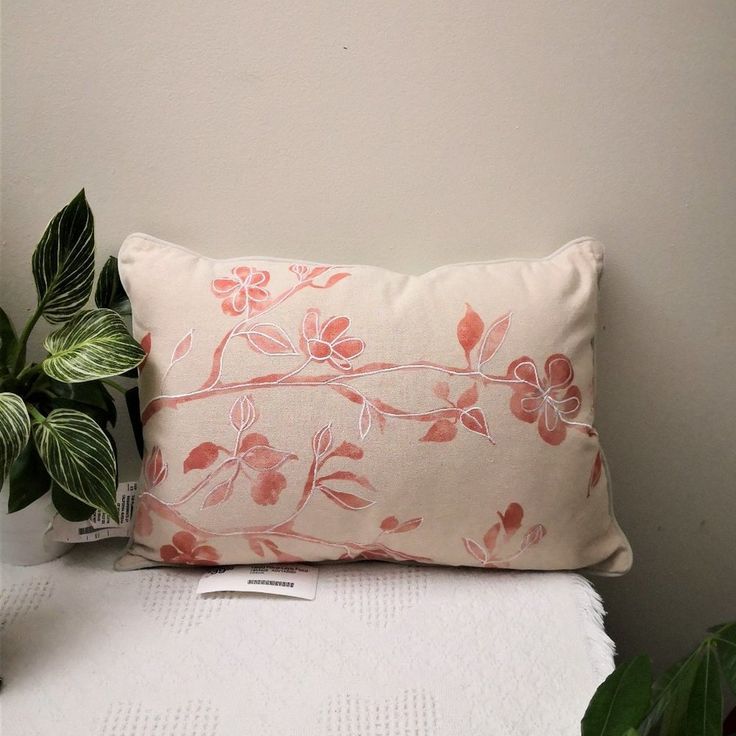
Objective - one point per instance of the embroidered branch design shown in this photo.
(325, 353)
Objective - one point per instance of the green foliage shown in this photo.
(55, 415)
(64, 261)
(623, 699)
(685, 701)
(78, 456)
(110, 293)
(14, 429)
(93, 344)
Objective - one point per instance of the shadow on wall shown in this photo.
(671, 488)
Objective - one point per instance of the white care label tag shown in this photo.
(99, 525)
(295, 580)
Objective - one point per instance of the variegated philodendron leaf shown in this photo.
(110, 293)
(8, 342)
(78, 456)
(15, 427)
(64, 261)
(94, 344)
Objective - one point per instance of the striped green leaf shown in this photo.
(15, 427)
(64, 261)
(110, 293)
(79, 457)
(94, 344)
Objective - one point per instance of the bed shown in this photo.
(383, 650)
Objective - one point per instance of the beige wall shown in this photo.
(412, 134)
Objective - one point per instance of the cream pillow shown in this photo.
(301, 411)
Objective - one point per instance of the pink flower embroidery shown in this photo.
(238, 291)
(329, 342)
(184, 550)
(552, 401)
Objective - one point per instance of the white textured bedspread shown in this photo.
(384, 650)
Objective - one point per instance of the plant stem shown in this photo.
(35, 413)
(20, 355)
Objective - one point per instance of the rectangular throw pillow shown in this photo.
(300, 411)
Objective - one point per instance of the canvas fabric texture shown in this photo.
(302, 411)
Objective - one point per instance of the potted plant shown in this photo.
(687, 700)
(56, 450)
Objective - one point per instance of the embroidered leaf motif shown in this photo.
(349, 450)
(256, 546)
(267, 488)
(322, 441)
(468, 397)
(182, 348)
(331, 281)
(408, 525)
(251, 440)
(202, 456)
(474, 549)
(442, 430)
(262, 457)
(156, 469)
(270, 339)
(469, 330)
(145, 344)
(512, 518)
(442, 390)
(219, 494)
(534, 536)
(389, 524)
(364, 421)
(493, 339)
(280, 556)
(346, 500)
(475, 420)
(349, 394)
(347, 475)
(491, 537)
(595, 473)
(242, 413)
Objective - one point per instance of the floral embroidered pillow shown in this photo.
(296, 411)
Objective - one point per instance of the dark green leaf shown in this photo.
(8, 340)
(705, 707)
(110, 292)
(671, 697)
(112, 410)
(94, 344)
(28, 479)
(79, 457)
(724, 642)
(621, 700)
(64, 261)
(15, 428)
(69, 507)
(133, 402)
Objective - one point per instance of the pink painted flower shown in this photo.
(330, 342)
(550, 400)
(184, 550)
(239, 291)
